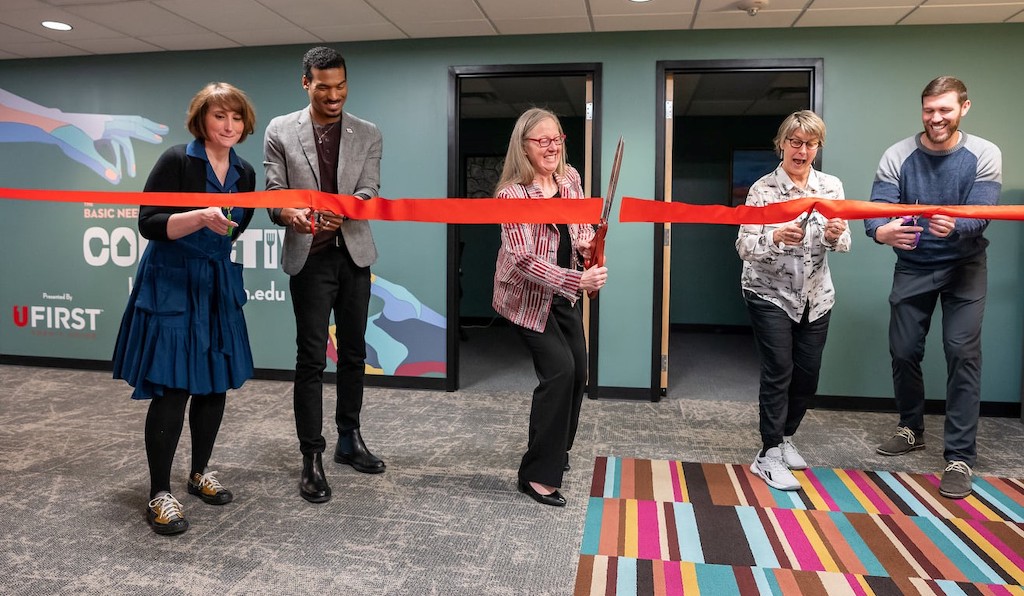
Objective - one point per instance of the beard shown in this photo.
(940, 137)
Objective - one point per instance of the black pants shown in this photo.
(790, 363)
(560, 360)
(961, 289)
(329, 282)
(164, 421)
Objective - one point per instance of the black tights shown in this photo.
(164, 422)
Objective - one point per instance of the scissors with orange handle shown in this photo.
(597, 244)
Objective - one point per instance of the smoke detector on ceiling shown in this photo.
(752, 7)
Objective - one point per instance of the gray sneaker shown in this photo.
(956, 480)
(902, 441)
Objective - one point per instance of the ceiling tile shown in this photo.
(403, 11)
(643, 22)
(449, 29)
(730, 5)
(316, 13)
(272, 37)
(192, 41)
(969, 3)
(123, 45)
(543, 25)
(226, 15)
(11, 35)
(337, 33)
(949, 15)
(737, 19)
(538, 10)
(44, 49)
(29, 20)
(850, 17)
(816, 4)
(626, 7)
(138, 19)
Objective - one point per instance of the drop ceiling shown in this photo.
(133, 26)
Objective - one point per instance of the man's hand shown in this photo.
(897, 235)
(296, 219)
(941, 226)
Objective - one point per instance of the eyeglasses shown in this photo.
(544, 143)
(797, 143)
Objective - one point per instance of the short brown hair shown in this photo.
(943, 85)
(219, 94)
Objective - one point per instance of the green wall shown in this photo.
(873, 78)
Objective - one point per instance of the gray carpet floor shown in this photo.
(444, 519)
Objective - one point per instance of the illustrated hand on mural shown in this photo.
(80, 136)
(84, 134)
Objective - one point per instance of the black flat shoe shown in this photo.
(555, 499)
(313, 484)
(352, 450)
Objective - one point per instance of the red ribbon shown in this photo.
(634, 210)
(453, 211)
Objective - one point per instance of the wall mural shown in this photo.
(404, 337)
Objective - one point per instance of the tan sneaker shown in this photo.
(209, 489)
(165, 516)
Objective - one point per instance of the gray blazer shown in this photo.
(289, 157)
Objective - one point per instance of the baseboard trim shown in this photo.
(989, 409)
(261, 374)
(624, 393)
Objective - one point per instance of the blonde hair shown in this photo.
(219, 94)
(518, 169)
(805, 121)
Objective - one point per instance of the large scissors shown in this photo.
(597, 244)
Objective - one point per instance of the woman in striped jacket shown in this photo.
(538, 283)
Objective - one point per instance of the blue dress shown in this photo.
(183, 327)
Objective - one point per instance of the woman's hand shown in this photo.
(583, 247)
(183, 224)
(789, 234)
(834, 228)
(593, 279)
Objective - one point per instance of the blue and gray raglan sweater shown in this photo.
(971, 173)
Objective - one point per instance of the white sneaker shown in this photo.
(774, 470)
(792, 457)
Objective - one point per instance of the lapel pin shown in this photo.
(348, 130)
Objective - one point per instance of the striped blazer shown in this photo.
(527, 275)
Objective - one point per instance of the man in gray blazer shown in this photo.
(322, 147)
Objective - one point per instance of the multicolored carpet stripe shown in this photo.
(599, 575)
(716, 528)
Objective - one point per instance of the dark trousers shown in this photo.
(560, 360)
(790, 363)
(164, 421)
(961, 290)
(329, 282)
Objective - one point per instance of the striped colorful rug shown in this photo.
(668, 527)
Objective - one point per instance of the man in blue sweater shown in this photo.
(938, 259)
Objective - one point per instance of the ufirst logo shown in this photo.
(56, 318)
(123, 246)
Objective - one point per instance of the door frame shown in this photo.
(662, 239)
(591, 179)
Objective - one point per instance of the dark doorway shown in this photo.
(483, 351)
(715, 139)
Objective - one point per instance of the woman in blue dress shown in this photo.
(183, 333)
